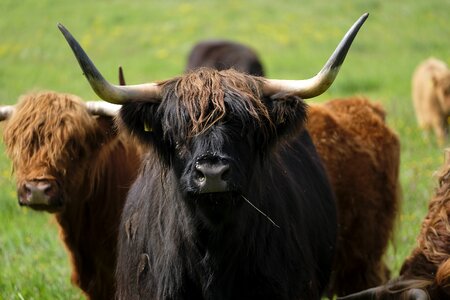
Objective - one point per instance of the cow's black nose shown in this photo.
(211, 177)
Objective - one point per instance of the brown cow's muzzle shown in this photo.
(40, 195)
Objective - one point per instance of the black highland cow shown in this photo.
(351, 138)
(223, 55)
(232, 201)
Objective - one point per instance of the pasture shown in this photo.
(151, 40)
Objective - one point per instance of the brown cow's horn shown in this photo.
(102, 108)
(149, 92)
(6, 111)
(318, 84)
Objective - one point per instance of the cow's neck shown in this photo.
(90, 220)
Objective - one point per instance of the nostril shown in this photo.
(27, 190)
(24, 193)
(47, 189)
(220, 171)
(226, 172)
(199, 174)
(27, 187)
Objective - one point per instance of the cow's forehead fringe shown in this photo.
(201, 94)
(46, 119)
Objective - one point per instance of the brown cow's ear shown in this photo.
(107, 129)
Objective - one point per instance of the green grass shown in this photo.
(151, 40)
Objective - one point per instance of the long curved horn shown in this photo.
(318, 84)
(149, 92)
(6, 111)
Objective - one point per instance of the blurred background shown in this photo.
(151, 41)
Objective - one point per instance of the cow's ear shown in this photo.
(288, 113)
(107, 128)
(141, 120)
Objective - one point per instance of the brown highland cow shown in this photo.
(425, 274)
(70, 161)
(362, 157)
(431, 96)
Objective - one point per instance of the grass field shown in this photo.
(151, 39)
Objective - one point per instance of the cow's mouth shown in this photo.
(219, 207)
(55, 206)
(216, 208)
(216, 199)
(227, 195)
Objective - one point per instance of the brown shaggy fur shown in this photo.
(431, 96)
(362, 156)
(30, 136)
(52, 136)
(427, 269)
(430, 260)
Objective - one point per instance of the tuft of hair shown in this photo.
(203, 93)
(41, 124)
(443, 276)
(434, 239)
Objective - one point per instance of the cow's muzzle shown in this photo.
(40, 194)
(211, 174)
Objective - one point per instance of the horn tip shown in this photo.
(62, 28)
(363, 18)
(121, 76)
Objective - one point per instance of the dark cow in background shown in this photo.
(223, 55)
(77, 166)
(346, 132)
(362, 157)
(425, 274)
(431, 96)
(232, 201)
